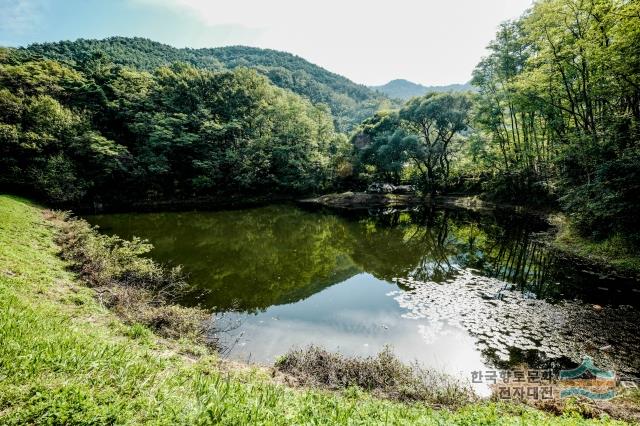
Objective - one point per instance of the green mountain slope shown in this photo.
(404, 89)
(349, 102)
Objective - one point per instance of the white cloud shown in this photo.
(428, 41)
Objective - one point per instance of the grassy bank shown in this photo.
(66, 359)
(615, 252)
(139, 290)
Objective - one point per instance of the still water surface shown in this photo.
(454, 290)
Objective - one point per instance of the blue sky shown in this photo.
(368, 41)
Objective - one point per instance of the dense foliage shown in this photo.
(349, 102)
(559, 109)
(417, 142)
(556, 119)
(101, 131)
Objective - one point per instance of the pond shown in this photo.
(454, 290)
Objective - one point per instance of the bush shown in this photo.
(520, 187)
(384, 375)
(609, 203)
(135, 287)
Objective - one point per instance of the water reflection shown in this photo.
(511, 327)
(438, 285)
(512, 252)
(357, 317)
(256, 258)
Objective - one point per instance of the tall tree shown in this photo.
(433, 121)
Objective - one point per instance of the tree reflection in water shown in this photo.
(255, 258)
(276, 263)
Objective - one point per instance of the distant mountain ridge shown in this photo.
(349, 102)
(405, 89)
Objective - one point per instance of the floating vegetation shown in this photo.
(512, 326)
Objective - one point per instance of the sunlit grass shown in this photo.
(615, 250)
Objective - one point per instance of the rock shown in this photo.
(597, 308)
(381, 188)
(404, 189)
(365, 201)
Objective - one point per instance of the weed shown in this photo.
(383, 375)
(138, 289)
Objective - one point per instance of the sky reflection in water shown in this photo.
(291, 277)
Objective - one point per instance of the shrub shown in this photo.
(609, 202)
(135, 287)
(384, 375)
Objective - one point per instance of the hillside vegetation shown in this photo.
(349, 102)
(405, 89)
(105, 133)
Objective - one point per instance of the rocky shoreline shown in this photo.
(365, 200)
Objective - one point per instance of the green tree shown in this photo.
(434, 121)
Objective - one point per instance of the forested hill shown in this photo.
(349, 102)
(405, 89)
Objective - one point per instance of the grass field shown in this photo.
(65, 359)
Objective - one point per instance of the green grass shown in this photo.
(64, 359)
(615, 251)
